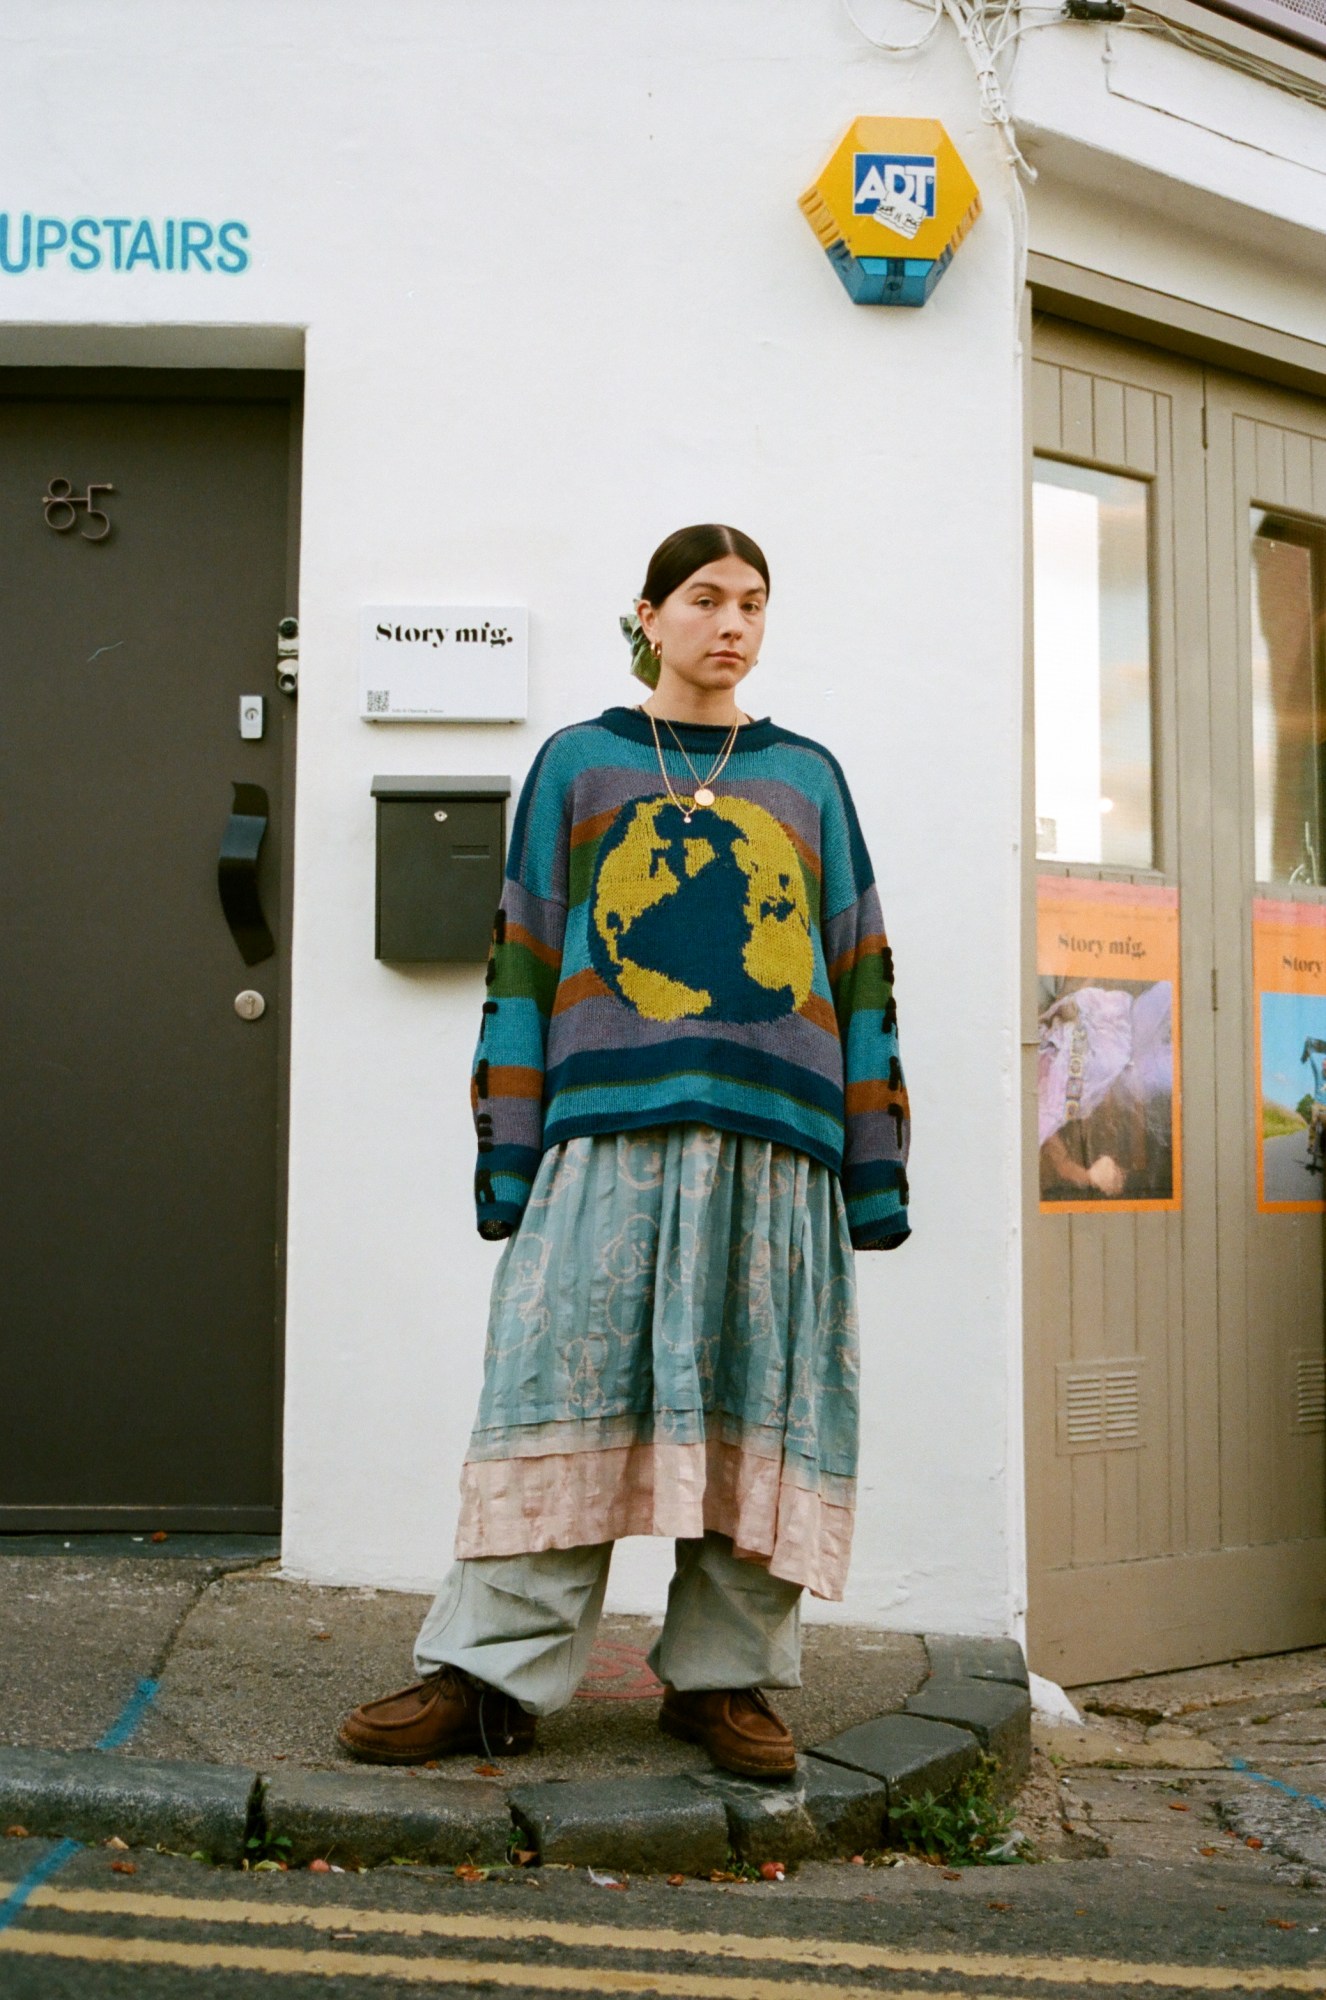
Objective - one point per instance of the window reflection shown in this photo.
(1288, 723)
(1092, 637)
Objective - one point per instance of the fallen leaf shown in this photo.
(116, 1842)
(1176, 1805)
(773, 1871)
(951, 1874)
(1252, 1841)
(1280, 1924)
(999, 1906)
(124, 1867)
(322, 1635)
(17, 1833)
(429, 1764)
(467, 1872)
(161, 1536)
(858, 1861)
(1208, 1850)
(722, 1875)
(675, 1881)
(487, 1770)
(1079, 1913)
(524, 1857)
(279, 1756)
(319, 1867)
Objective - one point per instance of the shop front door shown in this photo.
(147, 542)
(1175, 1407)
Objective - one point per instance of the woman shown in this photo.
(690, 1111)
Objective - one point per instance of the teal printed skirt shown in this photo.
(672, 1347)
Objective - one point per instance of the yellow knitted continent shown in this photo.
(635, 875)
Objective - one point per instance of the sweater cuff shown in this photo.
(863, 1240)
(499, 1219)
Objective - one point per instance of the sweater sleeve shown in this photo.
(860, 967)
(524, 965)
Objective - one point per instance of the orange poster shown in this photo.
(1107, 963)
(1289, 982)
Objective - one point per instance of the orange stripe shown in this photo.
(846, 960)
(513, 1080)
(873, 1095)
(804, 850)
(819, 1012)
(590, 829)
(578, 986)
(517, 934)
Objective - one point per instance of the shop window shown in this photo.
(1288, 697)
(1092, 635)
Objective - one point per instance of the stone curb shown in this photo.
(838, 1803)
(379, 1815)
(89, 1795)
(659, 1823)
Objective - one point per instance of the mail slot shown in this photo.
(441, 848)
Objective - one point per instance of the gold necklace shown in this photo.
(703, 794)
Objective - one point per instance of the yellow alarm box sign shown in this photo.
(890, 207)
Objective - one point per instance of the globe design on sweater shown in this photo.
(708, 919)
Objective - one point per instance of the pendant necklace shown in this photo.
(703, 794)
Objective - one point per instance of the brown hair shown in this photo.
(689, 549)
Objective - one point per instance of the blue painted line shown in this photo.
(123, 1727)
(129, 1717)
(1278, 1784)
(12, 1907)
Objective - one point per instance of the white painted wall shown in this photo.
(559, 299)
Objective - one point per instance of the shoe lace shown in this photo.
(457, 1677)
(757, 1699)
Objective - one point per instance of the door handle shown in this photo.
(237, 874)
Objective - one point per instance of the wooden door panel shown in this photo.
(1132, 1288)
(1267, 449)
(1207, 1539)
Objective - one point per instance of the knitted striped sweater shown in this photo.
(732, 970)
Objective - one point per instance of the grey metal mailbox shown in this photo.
(441, 849)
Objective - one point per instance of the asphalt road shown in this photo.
(1287, 1176)
(176, 1928)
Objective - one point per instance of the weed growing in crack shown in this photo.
(972, 1823)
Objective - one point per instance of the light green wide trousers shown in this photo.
(525, 1624)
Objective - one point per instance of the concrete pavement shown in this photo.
(242, 1676)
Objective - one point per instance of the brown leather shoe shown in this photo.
(737, 1726)
(440, 1716)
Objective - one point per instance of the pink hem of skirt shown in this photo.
(516, 1506)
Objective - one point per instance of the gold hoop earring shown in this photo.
(656, 648)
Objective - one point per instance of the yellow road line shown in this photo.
(436, 1971)
(828, 1954)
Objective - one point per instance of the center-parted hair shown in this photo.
(689, 549)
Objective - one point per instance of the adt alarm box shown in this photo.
(441, 848)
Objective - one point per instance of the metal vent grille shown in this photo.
(1310, 1392)
(1100, 1405)
(1301, 21)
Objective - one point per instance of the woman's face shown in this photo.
(711, 627)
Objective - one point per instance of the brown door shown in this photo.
(1177, 1507)
(140, 1112)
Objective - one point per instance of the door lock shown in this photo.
(287, 656)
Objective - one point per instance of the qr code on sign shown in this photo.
(379, 701)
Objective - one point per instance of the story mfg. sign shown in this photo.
(443, 663)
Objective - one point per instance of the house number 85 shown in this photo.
(60, 505)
